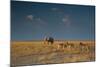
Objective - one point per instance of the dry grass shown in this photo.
(36, 52)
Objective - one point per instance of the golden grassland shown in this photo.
(36, 52)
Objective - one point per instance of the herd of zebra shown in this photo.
(50, 41)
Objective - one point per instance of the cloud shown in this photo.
(54, 9)
(30, 17)
(36, 21)
(40, 21)
(66, 20)
(57, 11)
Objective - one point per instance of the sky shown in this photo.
(34, 21)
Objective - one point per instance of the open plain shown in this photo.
(36, 52)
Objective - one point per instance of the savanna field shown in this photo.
(36, 52)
